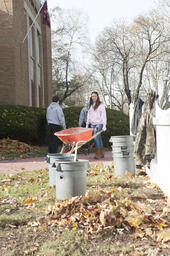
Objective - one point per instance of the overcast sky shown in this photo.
(102, 12)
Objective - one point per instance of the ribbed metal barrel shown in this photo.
(52, 160)
(122, 151)
(71, 179)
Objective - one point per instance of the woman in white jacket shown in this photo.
(96, 118)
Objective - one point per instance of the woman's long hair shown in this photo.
(98, 102)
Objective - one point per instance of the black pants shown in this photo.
(53, 140)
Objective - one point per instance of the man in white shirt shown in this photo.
(56, 122)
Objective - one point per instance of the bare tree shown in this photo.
(124, 52)
(115, 50)
(68, 37)
(150, 32)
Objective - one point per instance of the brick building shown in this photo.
(25, 67)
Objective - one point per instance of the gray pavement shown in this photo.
(29, 164)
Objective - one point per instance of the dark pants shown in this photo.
(53, 140)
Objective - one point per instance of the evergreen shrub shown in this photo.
(23, 123)
(28, 124)
(117, 122)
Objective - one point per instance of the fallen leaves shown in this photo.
(134, 219)
(102, 218)
(29, 201)
(130, 210)
(31, 251)
(100, 210)
(164, 236)
(15, 146)
(99, 168)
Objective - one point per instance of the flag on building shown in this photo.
(44, 12)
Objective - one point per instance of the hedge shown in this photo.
(117, 122)
(28, 124)
(23, 123)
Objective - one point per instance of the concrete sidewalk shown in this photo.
(29, 164)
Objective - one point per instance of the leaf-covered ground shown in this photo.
(117, 216)
(14, 149)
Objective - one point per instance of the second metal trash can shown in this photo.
(123, 157)
(52, 160)
(71, 179)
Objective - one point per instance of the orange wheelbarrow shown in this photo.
(74, 138)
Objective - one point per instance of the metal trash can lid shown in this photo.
(122, 138)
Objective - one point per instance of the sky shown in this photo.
(102, 12)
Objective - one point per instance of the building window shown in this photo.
(38, 48)
(33, 5)
(33, 93)
(31, 39)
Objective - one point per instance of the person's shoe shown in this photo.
(90, 146)
(101, 152)
(138, 166)
(97, 155)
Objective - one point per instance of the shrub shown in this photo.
(28, 124)
(23, 123)
(117, 122)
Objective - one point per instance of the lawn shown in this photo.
(117, 216)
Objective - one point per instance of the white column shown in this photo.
(42, 71)
(29, 65)
(131, 112)
(160, 170)
(36, 67)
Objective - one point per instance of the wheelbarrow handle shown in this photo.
(82, 143)
(95, 135)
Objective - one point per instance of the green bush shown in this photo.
(117, 122)
(23, 123)
(29, 124)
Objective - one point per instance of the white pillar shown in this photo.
(131, 112)
(160, 166)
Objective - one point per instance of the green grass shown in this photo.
(41, 152)
(104, 176)
(72, 243)
(23, 199)
(26, 185)
(35, 185)
(15, 220)
(69, 243)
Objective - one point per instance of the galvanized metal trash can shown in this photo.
(71, 179)
(52, 160)
(123, 157)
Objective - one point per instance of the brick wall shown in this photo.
(47, 64)
(21, 54)
(14, 75)
(7, 88)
